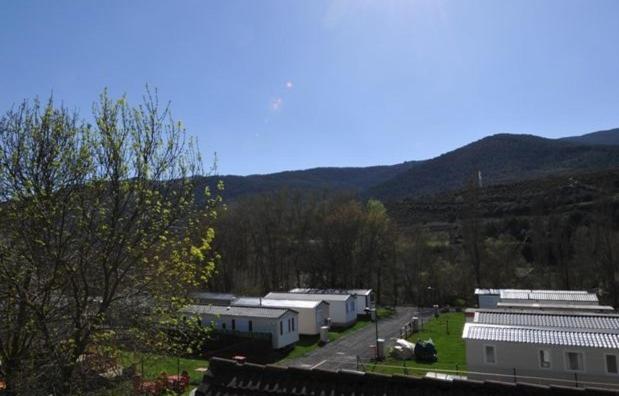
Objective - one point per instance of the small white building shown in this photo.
(342, 309)
(492, 298)
(312, 314)
(365, 298)
(212, 298)
(560, 348)
(280, 325)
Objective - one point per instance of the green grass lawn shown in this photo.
(449, 346)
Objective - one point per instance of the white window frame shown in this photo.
(606, 363)
(567, 362)
(493, 353)
(539, 360)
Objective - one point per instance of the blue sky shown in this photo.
(278, 85)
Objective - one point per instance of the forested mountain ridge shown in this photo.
(501, 158)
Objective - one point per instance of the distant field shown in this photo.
(446, 332)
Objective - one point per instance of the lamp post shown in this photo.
(369, 311)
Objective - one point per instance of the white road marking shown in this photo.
(316, 365)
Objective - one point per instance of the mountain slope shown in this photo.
(608, 137)
(500, 158)
(356, 180)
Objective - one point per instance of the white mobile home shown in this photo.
(280, 325)
(492, 298)
(558, 348)
(342, 310)
(312, 314)
(365, 298)
(575, 297)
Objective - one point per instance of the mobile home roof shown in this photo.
(265, 302)
(313, 297)
(543, 319)
(536, 335)
(251, 312)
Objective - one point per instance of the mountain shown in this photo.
(609, 137)
(501, 158)
(355, 180)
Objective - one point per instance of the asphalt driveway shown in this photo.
(342, 353)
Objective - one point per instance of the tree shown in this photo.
(97, 223)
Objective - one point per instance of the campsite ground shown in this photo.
(446, 333)
(343, 351)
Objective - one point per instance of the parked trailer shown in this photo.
(342, 307)
(312, 314)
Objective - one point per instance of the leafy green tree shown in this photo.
(98, 231)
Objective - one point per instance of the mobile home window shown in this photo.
(281, 328)
(233, 324)
(490, 354)
(544, 358)
(292, 324)
(574, 361)
(250, 325)
(223, 325)
(611, 364)
(289, 325)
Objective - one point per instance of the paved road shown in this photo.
(342, 353)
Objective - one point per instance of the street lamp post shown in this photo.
(369, 311)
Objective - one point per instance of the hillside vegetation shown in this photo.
(500, 158)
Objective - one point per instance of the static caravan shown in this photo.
(342, 310)
(312, 314)
(559, 348)
(365, 298)
(211, 298)
(280, 325)
(574, 297)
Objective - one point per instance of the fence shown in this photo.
(578, 381)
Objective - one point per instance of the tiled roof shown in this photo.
(227, 378)
(362, 292)
(251, 312)
(539, 319)
(264, 302)
(548, 295)
(311, 297)
(533, 335)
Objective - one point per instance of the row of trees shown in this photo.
(97, 228)
(290, 239)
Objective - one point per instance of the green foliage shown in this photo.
(99, 231)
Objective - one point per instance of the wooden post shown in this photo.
(515, 377)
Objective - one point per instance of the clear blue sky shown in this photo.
(277, 85)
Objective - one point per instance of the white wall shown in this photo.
(343, 313)
(286, 331)
(524, 358)
(259, 325)
(363, 301)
